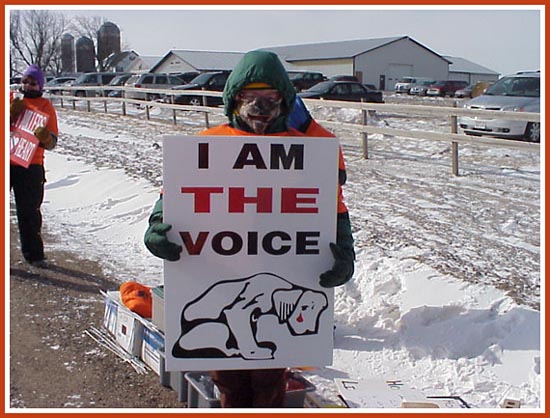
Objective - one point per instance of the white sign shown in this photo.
(391, 393)
(255, 216)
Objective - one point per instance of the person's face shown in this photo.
(258, 108)
(29, 84)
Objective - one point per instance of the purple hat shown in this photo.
(35, 72)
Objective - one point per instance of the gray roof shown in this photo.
(210, 60)
(206, 60)
(335, 50)
(149, 60)
(461, 65)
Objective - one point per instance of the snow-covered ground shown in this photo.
(446, 293)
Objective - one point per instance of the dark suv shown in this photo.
(445, 87)
(211, 81)
(305, 80)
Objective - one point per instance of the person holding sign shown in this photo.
(27, 183)
(258, 98)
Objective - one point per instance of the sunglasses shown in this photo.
(269, 95)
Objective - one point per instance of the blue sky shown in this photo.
(501, 38)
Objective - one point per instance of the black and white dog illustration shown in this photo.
(222, 321)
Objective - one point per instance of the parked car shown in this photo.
(306, 79)
(406, 83)
(150, 81)
(465, 92)
(118, 81)
(420, 88)
(444, 88)
(212, 81)
(92, 79)
(342, 90)
(57, 82)
(187, 76)
(343, 78)
(514, 93)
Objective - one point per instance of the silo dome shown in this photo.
(67, 54)
(85, 56)
(108, 40)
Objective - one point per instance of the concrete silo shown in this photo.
(85, 55)
(108, 40)
(67, 54)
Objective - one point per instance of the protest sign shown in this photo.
(255, 216)
(23, 143)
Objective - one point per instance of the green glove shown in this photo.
(156, 240)
(17, 106)
(44, 136)
(343, 253)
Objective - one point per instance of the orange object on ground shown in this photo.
(137, 297)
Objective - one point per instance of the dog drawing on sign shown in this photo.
(223, 321)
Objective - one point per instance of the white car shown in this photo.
(421, 87)
(406, 83)
(514, 93)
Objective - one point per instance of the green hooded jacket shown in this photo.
(254, 67)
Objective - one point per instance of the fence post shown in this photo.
(454, 144)
(204, 103)
(88, 103)
(147, 109)
(364, 121)
(173, 110)
(123, 95)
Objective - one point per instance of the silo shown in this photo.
(67, 54)
(85, 56)
(108, 40)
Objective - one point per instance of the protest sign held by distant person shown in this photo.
(23, 142)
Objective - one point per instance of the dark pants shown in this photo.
(263, 388)
(28, 189)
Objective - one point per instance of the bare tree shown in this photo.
(35, 38)
(89, 27)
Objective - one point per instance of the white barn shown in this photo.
(181, 60)
(381, 61)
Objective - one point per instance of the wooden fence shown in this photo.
(66, 98)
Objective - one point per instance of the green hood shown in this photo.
(258, 66)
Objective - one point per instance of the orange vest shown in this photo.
(314, 130)
(43, 105)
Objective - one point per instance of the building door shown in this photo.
(396, 73)
(382, 82)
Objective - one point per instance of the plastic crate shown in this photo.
(175, 380)
(201, 392)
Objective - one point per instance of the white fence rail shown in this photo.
(97, 94)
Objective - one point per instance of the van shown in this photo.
(150, 81)
(211, 81)
(92, 79)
